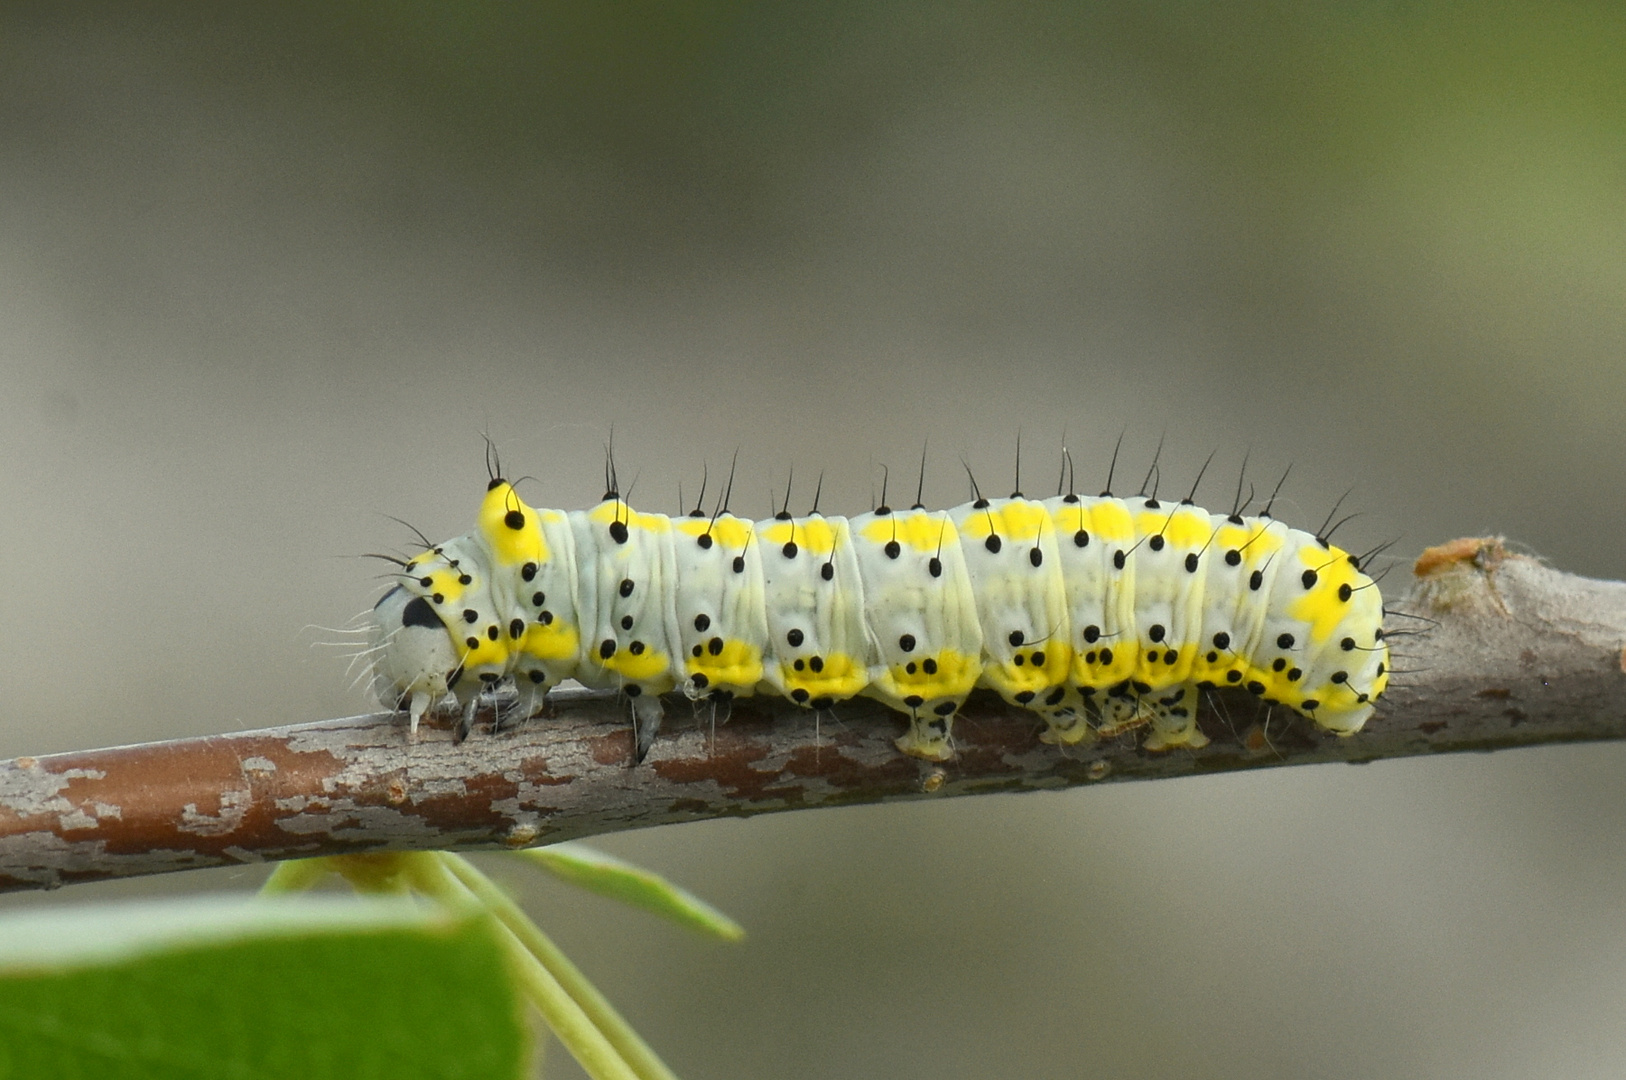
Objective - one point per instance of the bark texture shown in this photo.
(1494, 650)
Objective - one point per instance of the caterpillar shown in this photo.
(1099, 614)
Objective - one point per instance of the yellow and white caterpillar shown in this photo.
(1097, 613)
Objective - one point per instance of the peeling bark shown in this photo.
(1495, 650)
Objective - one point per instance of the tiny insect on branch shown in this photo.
(1493, 650)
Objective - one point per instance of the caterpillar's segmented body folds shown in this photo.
(1098, 614)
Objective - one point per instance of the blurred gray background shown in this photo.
(267, 277)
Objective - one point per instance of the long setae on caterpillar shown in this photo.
(1100, 614)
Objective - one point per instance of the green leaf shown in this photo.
(236, 987)
(609, 876)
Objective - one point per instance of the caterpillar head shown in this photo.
(414, 660)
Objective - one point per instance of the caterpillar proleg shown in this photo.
(1099, 614)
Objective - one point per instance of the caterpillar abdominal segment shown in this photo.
(1100, 614)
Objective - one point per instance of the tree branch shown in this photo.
(1516, 654)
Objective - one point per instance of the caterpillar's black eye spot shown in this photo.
(715, 646)
(993, 544)
(1212, 657)
(492, 632)
(528, 571)
(1036, 557)
(1016, 637)
(1156, 632)
(1089, 657)
(1151, 656)
(1171, 656)
(907, 643)
(632, 690)
(1091, 633)
(1019, 659)
(464, 579)
(1308, 578)
(827, 571)
(1294, 674)
(1055, 696)
(1222, 640)
(1278, 664)
(473, 642)
(789, 550)
(626, 622)
(1284, 641)
(1233, 557)
(1345, 592)
(626, 587)
(419, 613)
(698, 650)
(1024, 697)
(537, 676)
(1256, 579)
(800, 665)
(1348, 644)
(1081, 539)
(439, 598)
(914, 701)
(1382, 668)
(1153, 504)
(1118, 560)
(426, 581)
(935, 567)
(1340, 676)
(821, 702)
(1256, 688)
(699, 680)
(516, 629)
(636, 648)
(1106, 656)
(893, 549)
(1310, 704)
(1233, 676)
(514, 519)
(909, 668)
(606, 648)
(980, 504)
(1191, 563)
(470, 615)
(1038, 659)
(816, 663)
(799, 696)
(704, 540)
(739, 564)
(944, 708)
(702, 622)
(618, 531)
(1156, 543)
(929, 666)
(545, 618)
(794, 637)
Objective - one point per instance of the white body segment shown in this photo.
(1098, 614)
